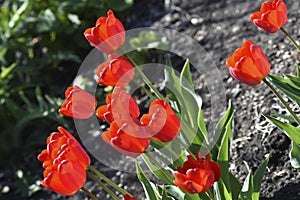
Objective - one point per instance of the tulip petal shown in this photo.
(65, 162)
(271, 17)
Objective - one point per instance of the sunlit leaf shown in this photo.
(149, 187)
(258, 178)
(292, 132)
(295, 155)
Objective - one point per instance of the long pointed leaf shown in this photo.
(247, 190)
(287, 87)
(149, 189)
(186, 75)
(156, 171)
(292, 132)
(258, 177)
(295, 155)
(221, 151)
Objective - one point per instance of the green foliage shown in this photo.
(15, 118)
(41, 47)
(229, 185)
(180, 92)
(41, 42)
(294, 134)
(295, 155)
(258, 178)
(158, 172)
(148, 40)
(290, 86)
(149, 187)
(252, 183)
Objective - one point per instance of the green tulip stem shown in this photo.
(211, 196)
(290, 38)
(282, 100)
(144, 77)
(93, 197)
(107, 180)
(94, 178)
(148, 93)
(185, 146)
(148, 154)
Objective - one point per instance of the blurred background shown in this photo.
(41, 48)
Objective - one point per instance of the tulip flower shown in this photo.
(197, 175)
(162, 122)
(78, 104)
(128, 139)
(119, 106)
(248, 64)
(107, 35)
(128, 197)
(65, 162)
(271, 17)
(116, 72)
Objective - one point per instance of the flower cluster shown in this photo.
(127, 133)
(131, 132)
(249, 64)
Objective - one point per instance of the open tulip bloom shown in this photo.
(271, 17)
(65, 162)
(171, 133)
(248, 64)
(107, 35)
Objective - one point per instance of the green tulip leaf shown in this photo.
(185, 75)
(149, 188)
(258, 178)
(292, 132)
(159, 173)
(189, 104)
(221, 154)
(173, 191)
(287, 86)
(248, 188)
(220, 186)
(295, 155)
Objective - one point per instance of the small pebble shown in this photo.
(5, 189)
(194, 21)
(118, 173)
(235, 29)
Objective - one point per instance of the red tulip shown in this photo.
(117, 72)
(119, 106)
(128, 197)
(65, 162)
(107, 35)
(128, 139)
(78, 104)
(248, 64)
(271, 17)
(162, 122)
(197, 175)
